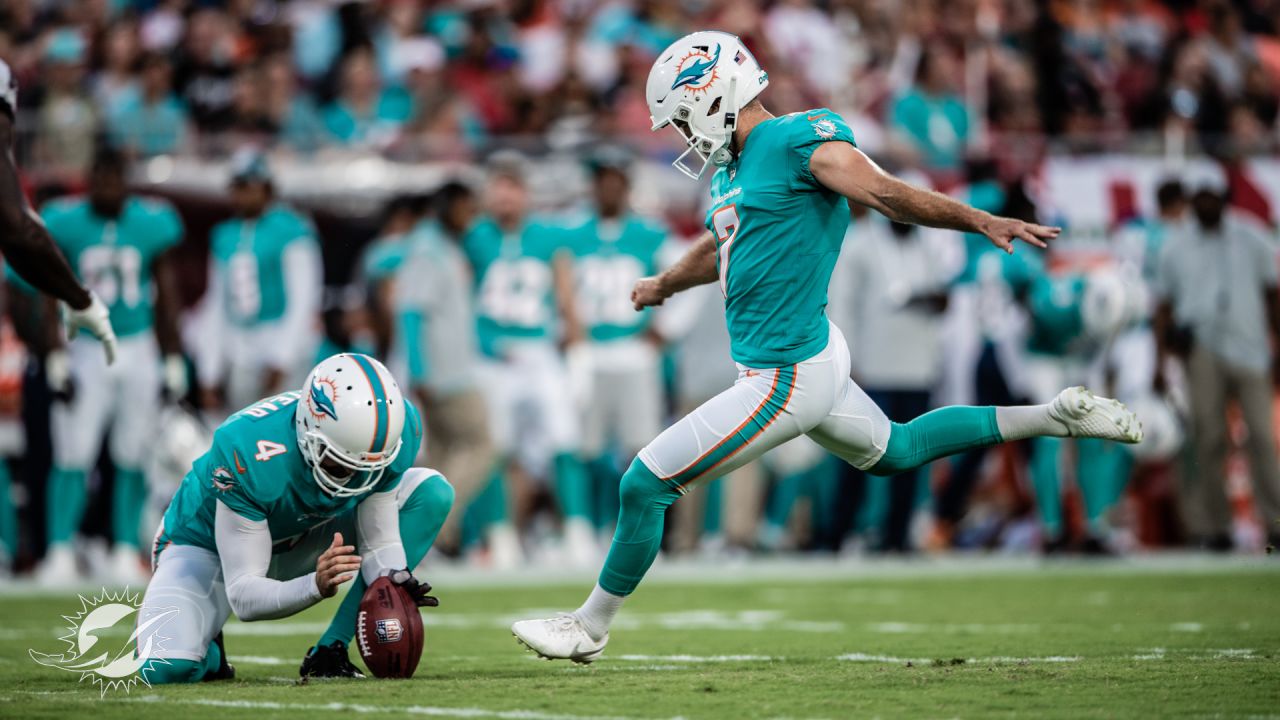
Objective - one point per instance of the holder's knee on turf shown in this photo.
(172, 672)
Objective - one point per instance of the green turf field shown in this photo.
(1066, 641)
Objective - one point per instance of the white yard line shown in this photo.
(362, 709)
(866, 658)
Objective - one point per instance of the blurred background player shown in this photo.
(616, 372)
(28, 250)
(524, 304)
(261, 306)
(1219, 312)
(118, 243)
(380, 264)
(890, 291)
(436, 318)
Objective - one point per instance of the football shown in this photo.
(389, 631)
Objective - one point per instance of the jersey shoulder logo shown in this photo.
(825, 129)
(697, 70)
(223, 480)
(320, 400)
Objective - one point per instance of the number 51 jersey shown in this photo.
(255, 468)
(113, 256)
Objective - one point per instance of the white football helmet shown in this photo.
(698, 85)
(8, 90)
(349, 421)
(1163, 428)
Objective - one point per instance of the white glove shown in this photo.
(57, 373)
(175, 377)
(97, 320)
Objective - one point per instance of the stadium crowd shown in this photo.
(967, 96)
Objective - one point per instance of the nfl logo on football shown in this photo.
(388, 631)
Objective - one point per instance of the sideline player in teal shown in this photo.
(264, 293)
(298, 493)
(620, 372)
(118, 244)
(780, 207)
(524, 305)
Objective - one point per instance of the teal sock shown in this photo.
(783, 498)
(713, 511)
(1046, 483)
(8, 514)
(127, 501)
(823, 484)
(64, 504)
(1103, 472)
(604, 477)
(644, 500)
(421, 518)
(936, 434)
(572, 489)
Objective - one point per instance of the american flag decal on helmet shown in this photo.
(740, 58)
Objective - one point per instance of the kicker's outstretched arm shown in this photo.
(697, 267)
(845, 169)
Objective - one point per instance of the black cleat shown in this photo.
(329, 661)
(225, 671)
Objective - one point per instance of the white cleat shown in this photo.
(58, 570)
(560, 638)
(126, 568)
(1087, 415)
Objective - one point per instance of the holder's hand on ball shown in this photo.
(417, 589)
(335, 566)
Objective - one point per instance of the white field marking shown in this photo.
(744, 620)
(697, 658)
(261, 660)
(1152, 654)
(867, 658)
(903, 628)
(1188, 627)
(361, 709)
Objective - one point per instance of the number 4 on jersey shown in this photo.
(268, 450)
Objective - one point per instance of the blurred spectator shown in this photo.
(118, 76)
(292, 113)
(67, 122)
(1219, 311)
(150, 120)
(204, 74)
(365, 113)
(931, 116)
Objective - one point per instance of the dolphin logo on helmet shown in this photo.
(320, 402)
(693, 74)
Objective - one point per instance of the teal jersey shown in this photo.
(989, 196)
(255, 468)
(384, 256)
(250, 255)
(610, 256)
(515, 288)
(778, 232)
(113, 256)
(1057, 322)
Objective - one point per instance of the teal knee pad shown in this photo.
(644, 499)
(431, 500)
(172, 672)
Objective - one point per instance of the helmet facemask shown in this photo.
(711, 144)
(339, 474)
